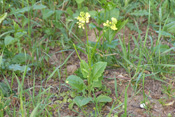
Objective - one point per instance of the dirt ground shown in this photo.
(157, 101)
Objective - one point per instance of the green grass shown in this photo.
(34, 30)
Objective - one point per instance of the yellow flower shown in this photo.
(114, 20)
(80, 25)
(106, 24)
(82, 19)
(113, 27)
(87, 16)
(67, 81)
(110, 24)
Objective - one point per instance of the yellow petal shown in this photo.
(82, 14)
(114, 20)
(87, 15)
(113, 27)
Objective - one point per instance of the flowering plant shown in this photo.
(111, 24)
(92, 71)
(83, 19)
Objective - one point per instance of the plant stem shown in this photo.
(87, 39)
(89, 62)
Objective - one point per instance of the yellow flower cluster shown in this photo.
(111, 24)
(82, 19)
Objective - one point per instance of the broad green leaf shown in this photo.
(113, 44)
(97, 70)
(164, 33)
(140, 13)
(28, 8)
(47, 13)
(170, 27)
(81, 101)
(23, 10)
(97, 83)
(92, 26)
(114, 13)
(131, 26)
(121, 24)
(39, 7)
(69, 11)
(20, 58)
(20, 34)
(109, 35)
(93, 13)
(58, 14)
(104, 98)
(79, 1)
(2, 17)
(84, 68)
(35, 111)
(161, 48)
(9, 40)
(17, 67)
(76, 83)
(4, 89)
(131, 7)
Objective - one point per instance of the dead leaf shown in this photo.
(170, 103)
(71, 69)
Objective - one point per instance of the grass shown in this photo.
(34, 31)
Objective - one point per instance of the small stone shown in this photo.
(142, 105)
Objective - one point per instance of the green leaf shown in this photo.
(79, 1)
(20, 34)
(161, 48)
(131, 26)
(35, 111)
(4, 89)
(113, 44)
(69, 11)
(9, 40)
(23, 10)
(92, 26)
(140, 13)
(121, 24)
(76, 83)
(132, 6)
(20, 58)
(114, 13)
(98, 83)
(2, 17)
(58, 14)
(47, 13)
(39, 7)
(97, 70)
(104, 98)
(17, 67)
(170, 27)
(81, 101)
(0, 60)
(164, 33)
(84, 68)
(93, 13)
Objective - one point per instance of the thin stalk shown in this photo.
(89, 53)
(146, 36)
(143, 83)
